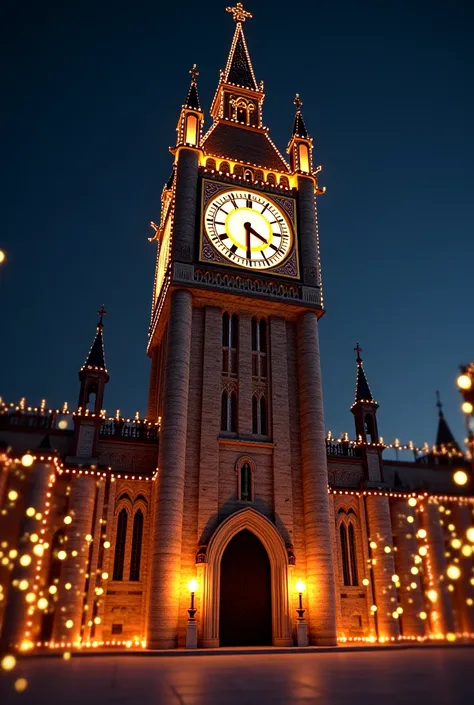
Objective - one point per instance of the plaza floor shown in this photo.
(434, 676)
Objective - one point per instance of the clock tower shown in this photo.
(240, 500)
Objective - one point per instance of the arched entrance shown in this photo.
(209, 576)
(245, 593)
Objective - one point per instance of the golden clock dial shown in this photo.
(248, 228)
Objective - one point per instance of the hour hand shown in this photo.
(254, 232)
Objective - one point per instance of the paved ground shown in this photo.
(434, 676)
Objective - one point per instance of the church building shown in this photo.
(229, 517)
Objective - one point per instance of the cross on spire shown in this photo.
(358, 350)
(297, 101)
(238, 13)
(101, 313)
(194, 73)
(439, 403)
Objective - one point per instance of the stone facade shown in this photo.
(105, 522)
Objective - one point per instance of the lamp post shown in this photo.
(191, 630)
(301, 627)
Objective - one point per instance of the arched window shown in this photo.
(304, 158)
(263, 416)
(136, 545)
(191, 129)
(246, 483)
(229, 411)
(211, 164)
(259, 347)
(352, 555)
(91, 397)
(345, 562)
(369, 429)
(271, 179)
(225, 168)
(120, 539)
(238, 171)
(284, 181)
(248, 176)
(259, 175)
(254, 414)
(230, 336)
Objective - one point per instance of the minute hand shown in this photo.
(254, 232)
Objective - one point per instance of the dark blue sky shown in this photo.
(91, 95)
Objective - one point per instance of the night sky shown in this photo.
(91, 97)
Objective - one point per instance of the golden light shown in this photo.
(62, 555)
(373, 608)
(107, 544)
(412, 502)
(34, 538)
(25, 560)
(414, 570)
(410, 519)
(26, 645)
(88, 537)
(365, 581)
(418, 560)
(432, 595)
(467, 407)
(52, 589)
(8, 662)
(30, 512)
(422, 550)
(97, 620)
(67, 586)
(192, 585)
(413, 586)
(387, 549)
(464, 382)
(470, 601)
(395, 578)
(451, 527)
(470, 534)
(466, 551)
(456, 543)
(423, 615)
(13, 553)
(62, 424)
(66, 655)
(2, 256)
(12, 495)
(453, 572)
(450, 636)
(69, 624)
(67, 519)
(400, 610)
(460, 477)
(395, 615)
(105, 576)
(372, 544)
(27, 460)
(301, 587)
(42, 603)
(421, 533)
(30, 597)
(38, 550)
(23, 584)
(20, 685)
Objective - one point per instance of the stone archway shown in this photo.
(266, 532)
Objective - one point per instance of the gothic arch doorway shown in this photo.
(209, 575)
(245, 593)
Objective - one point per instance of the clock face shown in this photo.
(248, 228)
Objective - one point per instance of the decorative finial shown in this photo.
(358, 350)
(238, 13)
(438, 403)
(194, 73)
(298, 102)
(101, 313)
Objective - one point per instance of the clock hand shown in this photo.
(254, 232)
(247, 233)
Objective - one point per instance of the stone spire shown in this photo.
(192, 99)
(362, 392)
(444, 436)
(300, 146)
(191, 117)
(96, 357)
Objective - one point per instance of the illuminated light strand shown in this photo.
(459, 499)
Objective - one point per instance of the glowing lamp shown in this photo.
(453, 572)
(460, 477)
(300, 586)
(27, 460)
(467, 407)
(464, 382)
(470, 534)
(2, 256)
(412, 502)
(192, 585)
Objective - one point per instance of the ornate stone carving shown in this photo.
(247, 284)
(183, 272)
(311, 294)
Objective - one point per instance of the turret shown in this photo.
(300, 146)
(191, 118)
